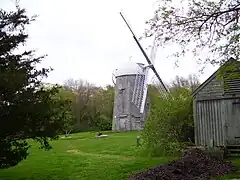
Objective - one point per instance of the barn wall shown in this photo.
(216, 110)
(232, 115)
(217, 121)
(212, 90)
(217, 89)
(210, 119)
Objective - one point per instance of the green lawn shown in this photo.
(83, 157)
(86, 158)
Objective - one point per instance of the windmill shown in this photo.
(131, 89)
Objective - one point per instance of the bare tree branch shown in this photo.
(207, 25)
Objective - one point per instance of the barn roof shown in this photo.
(231, 60)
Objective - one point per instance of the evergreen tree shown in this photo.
(27, 109)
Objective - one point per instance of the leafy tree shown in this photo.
(198, 26)
(92, 107)
(105, 102)
(191, 82)
(69, 98)
(82, 110)
(170, 121)
(27, 109)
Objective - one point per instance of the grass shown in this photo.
(83, 157)
(236, 162)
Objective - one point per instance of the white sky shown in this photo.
(87, 39)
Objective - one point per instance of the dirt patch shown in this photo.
(108, 156)
(194, 164)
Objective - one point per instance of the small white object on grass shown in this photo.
(102, 136)
(66, 137)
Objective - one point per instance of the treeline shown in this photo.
(90, 108)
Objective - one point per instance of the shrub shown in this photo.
(170, 122)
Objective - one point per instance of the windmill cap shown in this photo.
(129, 68)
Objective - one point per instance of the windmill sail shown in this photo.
(131, 81)
(113, 77)
(153, 51)
(144, 91)
(145, 86)
(138, 90)
(140, 86)
(145, 55)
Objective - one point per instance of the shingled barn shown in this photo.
(216, 105)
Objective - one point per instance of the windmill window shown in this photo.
(121, 90)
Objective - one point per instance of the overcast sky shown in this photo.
(87, 39)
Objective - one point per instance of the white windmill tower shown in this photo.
(130, 103)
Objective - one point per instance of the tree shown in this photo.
(198, 26)
(81, 108)
(171, 120)
(69, 97)
(104, 103)
(92, 107)
(27, 109)
(191, 82)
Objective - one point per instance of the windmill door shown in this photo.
(233, 125)
(122, 123)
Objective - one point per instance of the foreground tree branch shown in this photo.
(197, 25)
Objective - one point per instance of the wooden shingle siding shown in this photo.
(216, 111)
(126, 116)
(232, 87)
(212, 90)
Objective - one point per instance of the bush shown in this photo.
(170, 122)
(104, 123)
